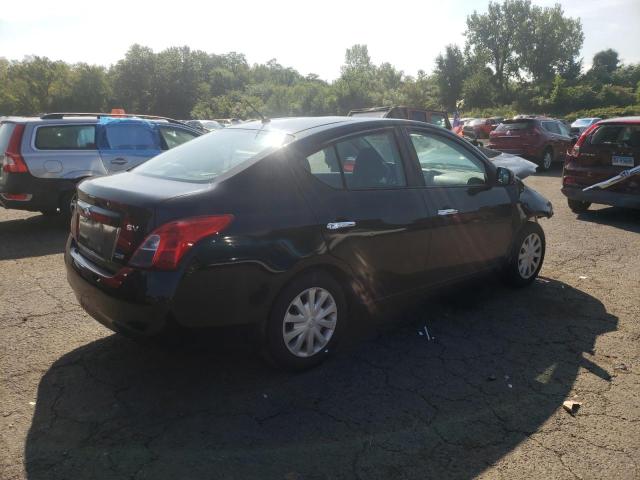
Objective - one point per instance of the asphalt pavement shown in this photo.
(482, 399)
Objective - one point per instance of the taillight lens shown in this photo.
(575, 151)
(165, 246)
(13, 161)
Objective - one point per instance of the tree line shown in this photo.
(517, 58)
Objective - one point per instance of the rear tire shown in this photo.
(578, 206)
(546, 161)
(527, 256)
(307, 319)
(67, 205)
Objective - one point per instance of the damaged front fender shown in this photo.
(532, 204)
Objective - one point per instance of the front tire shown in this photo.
(307, 319)
(527, 256)
(578, 206)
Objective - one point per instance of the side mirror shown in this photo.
(504, 176)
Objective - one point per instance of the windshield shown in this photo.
(209, 156)
(582, 122)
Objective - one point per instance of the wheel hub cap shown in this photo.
(309, 322)
(529, 255)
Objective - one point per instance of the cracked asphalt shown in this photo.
(483, 399)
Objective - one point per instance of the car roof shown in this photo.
(303, 126)
(621, 120)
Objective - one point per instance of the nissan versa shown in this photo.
(261, 224)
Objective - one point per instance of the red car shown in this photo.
(542, 140)
(603, 152)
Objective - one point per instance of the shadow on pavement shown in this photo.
(33, 236)
(622, 218)
(393, 405)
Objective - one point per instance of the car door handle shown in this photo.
(340, 225)
(447, 211)
(118, 161)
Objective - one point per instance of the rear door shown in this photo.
(470, 216)
(125, 143)
(371, 216)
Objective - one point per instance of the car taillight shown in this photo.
(166, 245)
(13, 161)
(575, 151)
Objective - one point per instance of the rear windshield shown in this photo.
(209, 156)
(377, 114)
(618, 135)
(66, 137)
(6, 129)
(513, 125)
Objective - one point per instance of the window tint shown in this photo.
(371, 161)
(513, 126)
(66, 137)
(419, 116)
(130, 136)
(209, 156)
(445, 163)
(563, 129)
(618, 135)
(438, 119)
(175, 136)
(325, 167)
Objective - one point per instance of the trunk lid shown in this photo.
(114, 214)
(607, 151)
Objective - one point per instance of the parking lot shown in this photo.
(483, 398)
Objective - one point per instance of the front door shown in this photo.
(370, 218)
(469, 214)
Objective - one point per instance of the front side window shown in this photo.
(371, 161)
(131, 136)
(438, 119)
(209, 156)
(551, 127)
(444, 163)
(66, 137)
(418, 116)
(173, 137)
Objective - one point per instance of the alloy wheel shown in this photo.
(529, 255)
(309, 322)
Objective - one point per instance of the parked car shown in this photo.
(542, 140)
(178, 240)
(480, 128)
(43, 158)
(604, 150)
(581, 124)
(434, 117)
(204, 125)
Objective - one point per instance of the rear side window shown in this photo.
(324, 166)
(617, 135)
(371, 161)
(6, 129)
(66, 137)
(130, 136)
(173, 137)
(513, 125)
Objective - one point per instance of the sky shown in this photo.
(309, 36)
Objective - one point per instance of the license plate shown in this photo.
(99, 237)
(622, 161)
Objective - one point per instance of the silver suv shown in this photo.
(43, 158)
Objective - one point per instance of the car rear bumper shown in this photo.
(43, 193)
(145, 302)
(604, 197)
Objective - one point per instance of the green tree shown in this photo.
(133, 80)
(606, 60)
(450, 74)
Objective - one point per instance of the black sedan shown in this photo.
(284, 224)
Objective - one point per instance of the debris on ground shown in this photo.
(571, 406)
(583, 277)
(622, 367)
